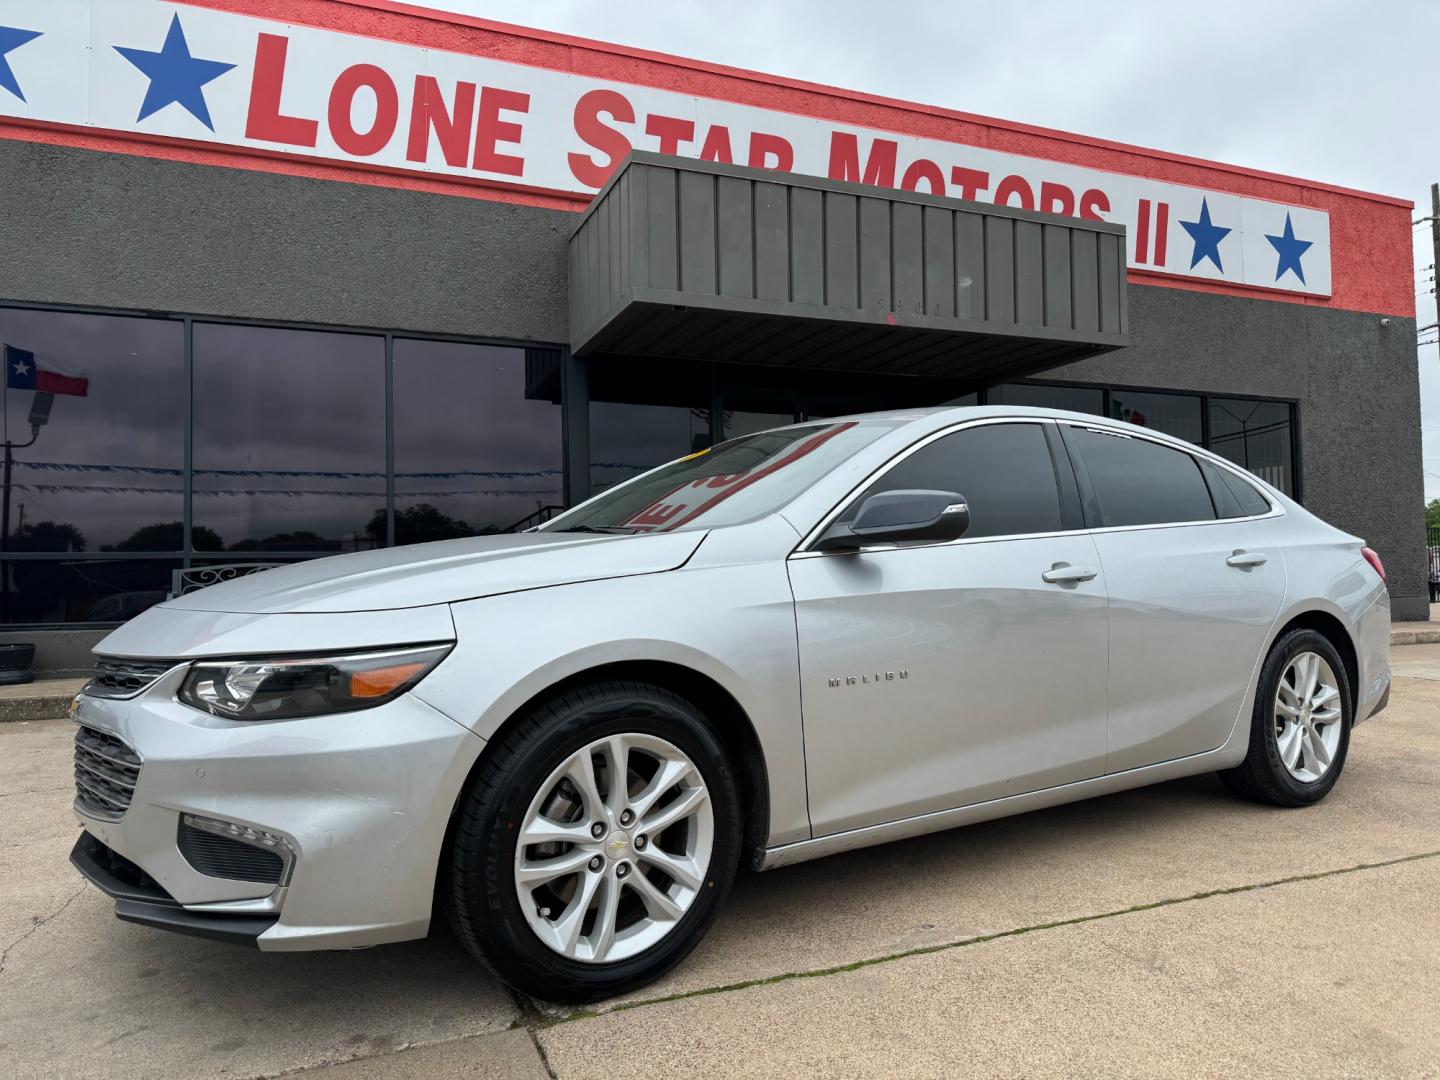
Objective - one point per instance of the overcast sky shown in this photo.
(1337, 91)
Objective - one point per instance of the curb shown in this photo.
(46, 699)
(1426, 636)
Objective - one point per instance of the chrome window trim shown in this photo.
(803, 549)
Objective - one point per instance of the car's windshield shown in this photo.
(735, 481)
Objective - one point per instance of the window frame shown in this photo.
(187, 556)
(1066, 484)
(1179, 446)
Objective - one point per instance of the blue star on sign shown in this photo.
(175, 76)
(12, 37)
(1289, 251)
(1207, 237)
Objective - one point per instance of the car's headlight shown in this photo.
(287, 688)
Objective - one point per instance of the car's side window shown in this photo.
(1003, 470)
(1139, 482)
(1250, 500)
(1226, 505)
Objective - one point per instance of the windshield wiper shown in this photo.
(622, 530)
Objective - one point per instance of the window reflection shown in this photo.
(626, 440)
(82, 590)
(1256, 435)
(1086, 399)
(474, 453)
(105, 469)
(1172, 414)
(289, 439)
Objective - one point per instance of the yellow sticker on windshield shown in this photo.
(692, 457)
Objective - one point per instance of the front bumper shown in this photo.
(364, 798)
(139, 899)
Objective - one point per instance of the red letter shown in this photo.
(1162, 231)
(1015, 185)
(1056, 199)
(1142, 232)
(265, 121)
(971, 182)
(923, 169)
(342, 100)
(452, 129)
(588, 125)
(717, 146)
(670, 131)
(763, 146)
(1094, 203)
(490, 129)
(845, 160)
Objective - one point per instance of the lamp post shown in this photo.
(39, 417)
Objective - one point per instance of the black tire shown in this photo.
(1262, 776)
(484, 907)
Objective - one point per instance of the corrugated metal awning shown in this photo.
(694, 260)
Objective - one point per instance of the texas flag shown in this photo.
(22, 374)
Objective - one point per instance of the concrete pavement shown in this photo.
(1166, 930)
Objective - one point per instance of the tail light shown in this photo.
(1374, 560)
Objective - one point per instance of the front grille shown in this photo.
(119, 678)
(106, 772)
(222, 857)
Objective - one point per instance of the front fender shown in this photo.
(720, 621)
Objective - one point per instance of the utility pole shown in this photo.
(1434, 268)
(1435, 238)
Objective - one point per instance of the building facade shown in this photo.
(311, 276)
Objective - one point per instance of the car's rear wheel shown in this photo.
(1300, 727)
(595, 845)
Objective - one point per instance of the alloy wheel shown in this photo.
(614, 848)
(1308, 717)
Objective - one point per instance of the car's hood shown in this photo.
(443, 572)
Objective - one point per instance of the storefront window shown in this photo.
(104, 471)
(289, 440)
(626, 440)
(82, 590)
(1086, 399)
(1256, 435)
(473, 453)
(1179, 415)
(288, 430)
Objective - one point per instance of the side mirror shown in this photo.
(893, 517)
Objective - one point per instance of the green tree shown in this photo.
(1432, 514)
(47, 536)
(304, 540)
(170, 536)
(418, 524)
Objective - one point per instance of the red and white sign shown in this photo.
(227, 78)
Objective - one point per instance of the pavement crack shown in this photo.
(544, 1057)
(978, 939)
(36, 791)
(531, 1019)
(37, 921)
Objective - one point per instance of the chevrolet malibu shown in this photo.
(800, 642)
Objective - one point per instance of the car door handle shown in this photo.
(1061, 574)
(1243, 559)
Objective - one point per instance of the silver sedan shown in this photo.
(796, 643)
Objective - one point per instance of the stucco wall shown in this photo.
(109, 230)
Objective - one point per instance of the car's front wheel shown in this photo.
(1300, 727)
(596, 844)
